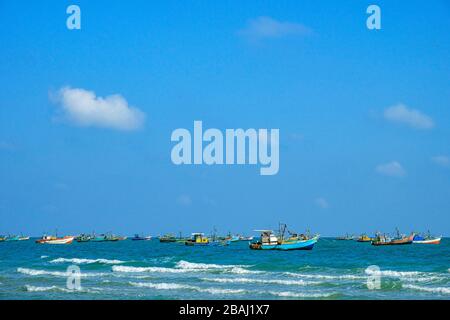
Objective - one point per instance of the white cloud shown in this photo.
(184, 200)
(411, 117)
(267, 27)
(84, 108)
(392, 169)
(443, 161)
(322, 203)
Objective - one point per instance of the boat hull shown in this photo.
(287, 245)
(429, 241)
(65, 240)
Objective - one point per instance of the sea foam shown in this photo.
(86, 261)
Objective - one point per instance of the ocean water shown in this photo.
(152, 270)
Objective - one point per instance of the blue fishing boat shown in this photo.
(269, 241)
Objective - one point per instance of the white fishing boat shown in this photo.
(56, 240)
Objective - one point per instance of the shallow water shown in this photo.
(152, 270)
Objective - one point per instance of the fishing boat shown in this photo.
(232, 238)
(137, 237)
(269, 241)
(346, 237)
(24, 238)
(168, 238)
(365, 238)
(426, 239)
(12, 238)
(83, 238)
(244, 238)
(99, 238)
(215, 240)
(197, 239)
(106, 237)
(2, 238)
(384, 240)
(55, 240)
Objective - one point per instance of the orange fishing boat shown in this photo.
(55, 240)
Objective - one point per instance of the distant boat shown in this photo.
(427, 239)
(232, 238)
(365, 238)
(243, 238)
(383, 240)
(55, 240)
(137, 237)
(83, 238)
(106, 237)
(12, 238)
(167, 238)
(346, 237)
(197, 239)
(269, 241)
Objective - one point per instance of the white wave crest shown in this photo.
(162, 286)
(261, 281)
(34, 272)
(324, 276)
(441, 290)
(129, 269)
(177, 286)
(411, 276)
(86, 261)
(185, 267)
(30, 288)
(289, 294)
(191, 265)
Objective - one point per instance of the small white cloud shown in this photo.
(84, 108)
(267, 27)
(443, 161)
(411, 117)
(184, 200)
(322, 203)
(392, 169)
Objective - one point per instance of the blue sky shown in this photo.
(363, 115)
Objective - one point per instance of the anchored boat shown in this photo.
(346, 237)
(426, 239)
(55, 240)
(83, 238)
(137, 237)
(384, 240)
(197, 239)
(269, 241)
(365, 238)
(168, 238)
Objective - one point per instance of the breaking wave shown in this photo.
(86, 261)
(34, 272)
(261, 281)
(441, 290)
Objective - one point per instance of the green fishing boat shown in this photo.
(168, 238)
(83, 238)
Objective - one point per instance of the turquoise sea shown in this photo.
(153, 270)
